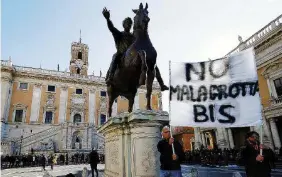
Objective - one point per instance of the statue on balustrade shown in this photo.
(135, 58)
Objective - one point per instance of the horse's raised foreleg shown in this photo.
(149, 85)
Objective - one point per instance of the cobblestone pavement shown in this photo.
(58, 171)
(61, 171)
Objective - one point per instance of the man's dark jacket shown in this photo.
(166, 155)
(253, 167)
(93, 158)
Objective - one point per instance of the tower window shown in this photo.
(78, 91)
(77, 118)
(79, 56)
(51, 88)
(103, 93)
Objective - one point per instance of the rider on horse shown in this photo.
(123, 39)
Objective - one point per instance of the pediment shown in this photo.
(20, 106)
(273, 67)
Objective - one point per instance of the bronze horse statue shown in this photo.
(139, 61)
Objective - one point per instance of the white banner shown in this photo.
(218, 93)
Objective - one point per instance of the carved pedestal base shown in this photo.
(131, 144)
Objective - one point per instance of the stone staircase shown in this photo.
(34, 138)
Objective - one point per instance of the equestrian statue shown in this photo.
(134, 63)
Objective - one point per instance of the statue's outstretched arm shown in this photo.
(113, 30)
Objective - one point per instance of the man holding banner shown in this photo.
(170, 158)
(257, 165)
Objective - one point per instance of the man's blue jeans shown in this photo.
(170, 173)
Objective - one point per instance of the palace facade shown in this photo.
(52, 110)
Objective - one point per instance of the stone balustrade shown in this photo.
(39, 135)
(258, 36)
(58, 74)
(6, 63)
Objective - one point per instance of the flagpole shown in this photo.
(170, 127)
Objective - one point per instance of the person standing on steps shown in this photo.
(123, 39)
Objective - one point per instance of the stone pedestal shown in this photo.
(131, 143)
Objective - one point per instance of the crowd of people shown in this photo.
(35, 160)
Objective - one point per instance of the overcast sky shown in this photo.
(38, 32)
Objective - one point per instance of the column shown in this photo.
(35, 104)
(91, 107)
(198, 141)
(222, 143)
(230, 136)
(275, 134)
(204, 139)
(63, 104)
(267, 139)
(136, 101)
(226, 137)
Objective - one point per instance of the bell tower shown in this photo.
(79, 58)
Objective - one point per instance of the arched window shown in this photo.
(77, 118)
(79, 56)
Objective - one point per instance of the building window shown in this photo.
(79, 56)
(19, 116)
(23, 86)
(78, 91)
(103, 93)
(51, 88)
(78, 71)
(102, 119)
(48, 117)
(77, 118)
(278, 86)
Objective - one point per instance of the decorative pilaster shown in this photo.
(160, 102)
(275, 135)
(114, 108)
(92, 101)
(35, 104)
(5, 87)
(230, 137)
(136, 101)
(63, 104)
